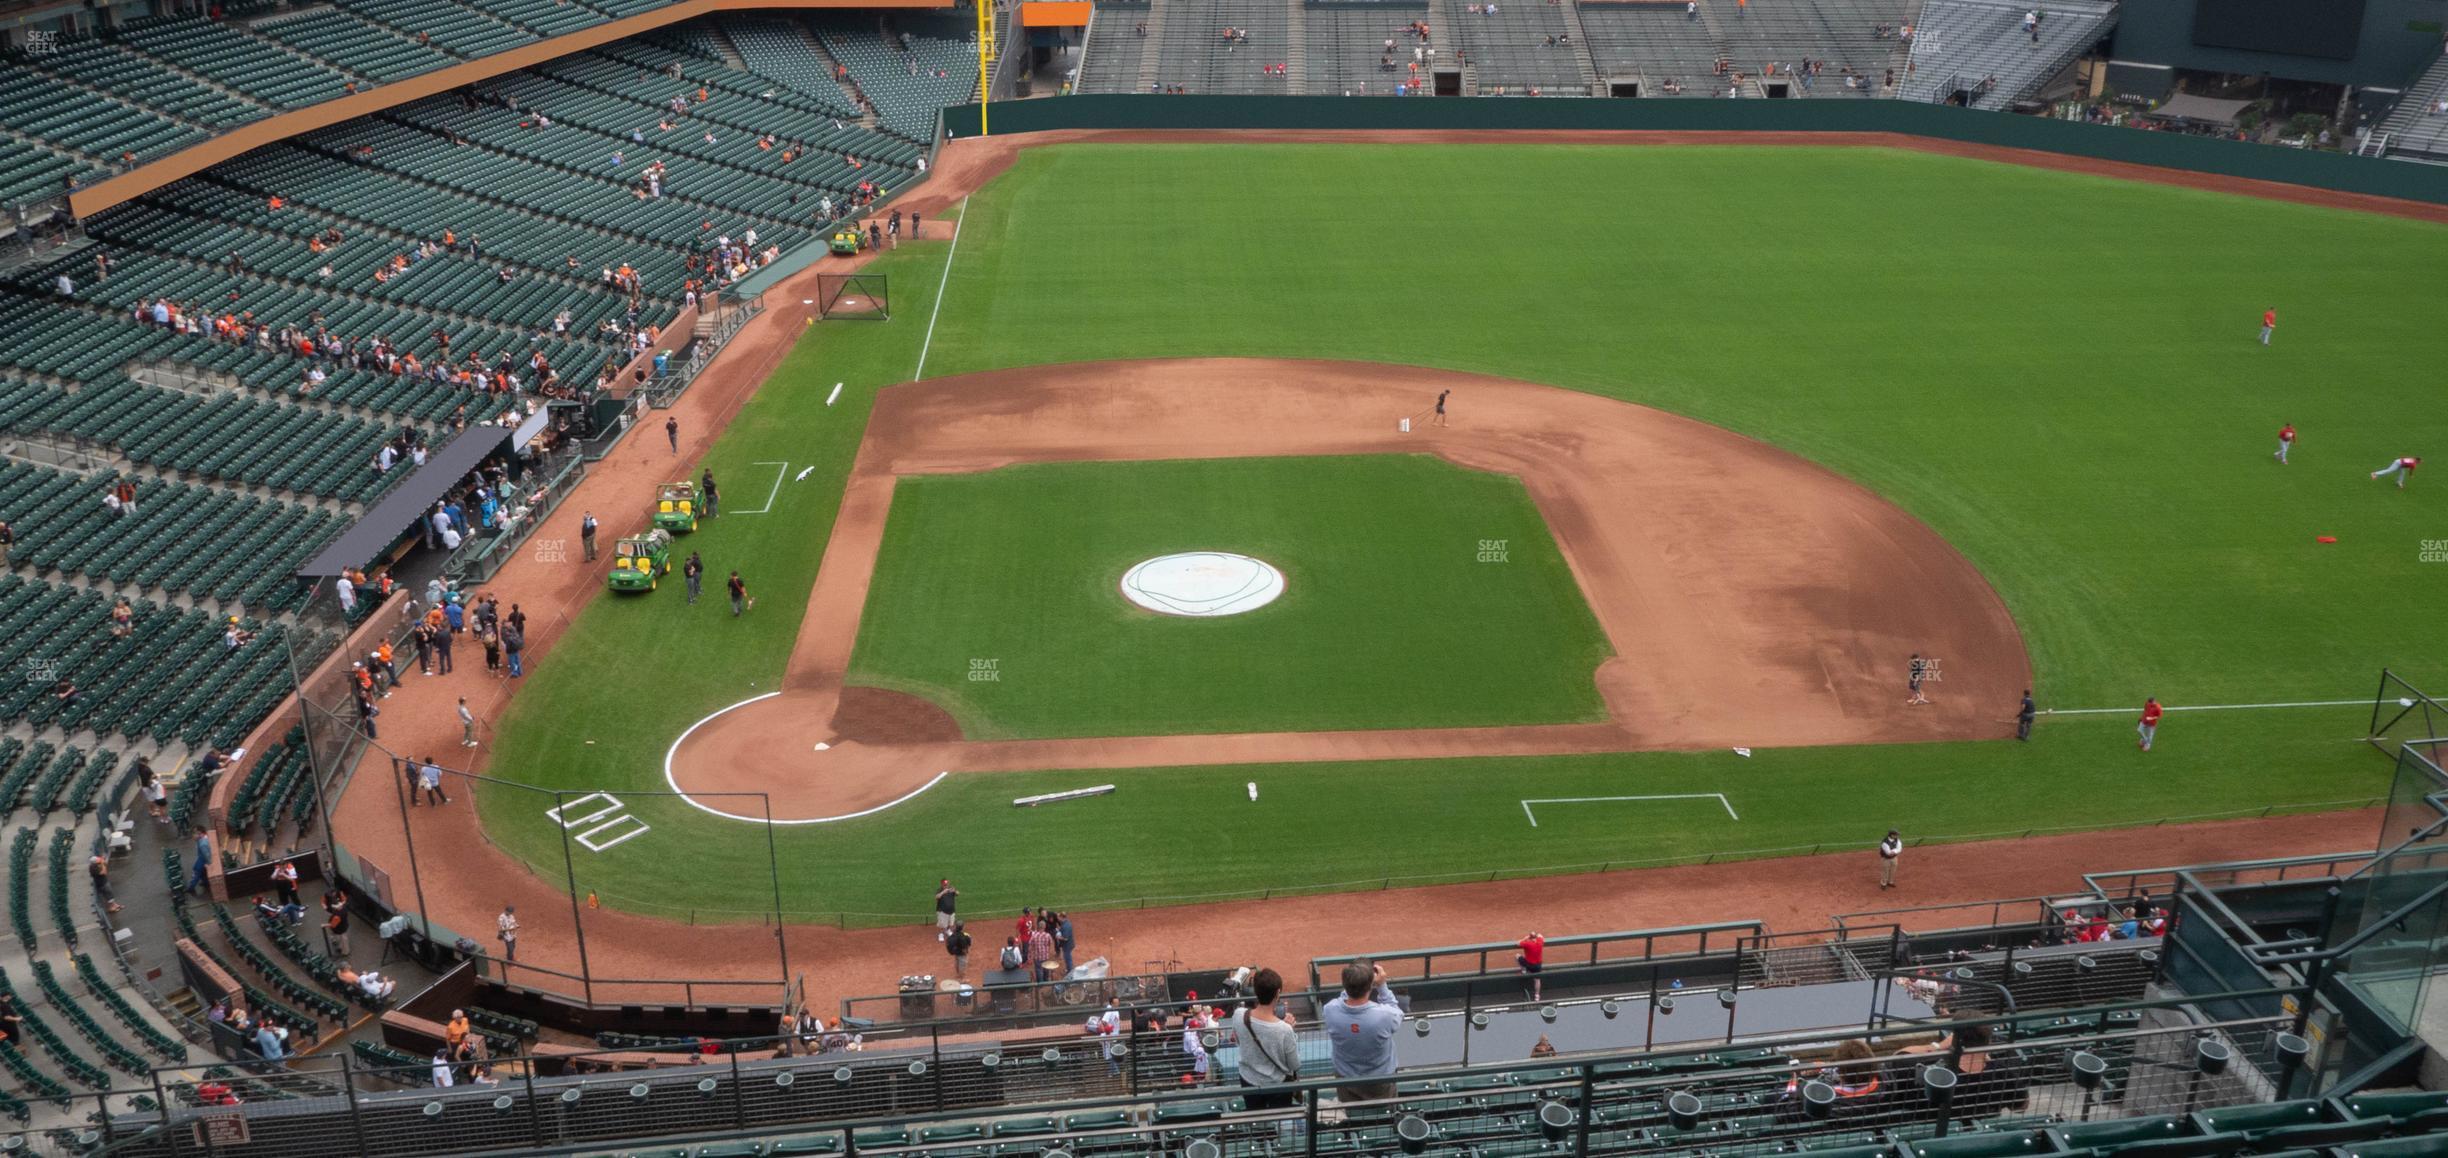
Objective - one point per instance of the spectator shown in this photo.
(370, 983)
(1270, 1047)
(508, 932)
(442, 1076)
(8, 538)
(1360, 1026)
(739, 595)
(946, 899)
(1012, 957)
(99, 869)
(1040, 951)
(284, 880)
(1542, 1048)
(1532, 959)
(1889, 849)
(268, 1041)
(156, 793)
(1064, 942)
(336, 929)
(956, 942)
(202, 870)
(429, 778)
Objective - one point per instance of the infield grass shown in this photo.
(1389, 617)
(2056, 371)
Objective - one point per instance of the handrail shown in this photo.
(1580, 1070)
(2350, 944)
(1754, 928)
(2426, 832)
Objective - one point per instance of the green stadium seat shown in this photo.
(2399, 1105)
(2422, 1146)
(1983, 1144)
(804, 1146)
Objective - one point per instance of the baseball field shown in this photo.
(1746, 427)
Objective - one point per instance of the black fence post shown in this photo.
(348, 1089)
(1309, 1130)
(535, 1113)
(739, 1096)
(1589, 1109)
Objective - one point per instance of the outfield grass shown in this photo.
(2056, 371)
(1388, 619)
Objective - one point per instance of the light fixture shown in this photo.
(1547, 1013)
(1683, 1110)
(1608, 1009)
(1412, 1133)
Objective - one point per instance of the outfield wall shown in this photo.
(2331, 171)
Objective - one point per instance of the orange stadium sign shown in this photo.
(1054, 14)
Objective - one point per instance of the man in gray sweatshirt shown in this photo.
(1360, 1026)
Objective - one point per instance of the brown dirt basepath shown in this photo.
(1751, 597)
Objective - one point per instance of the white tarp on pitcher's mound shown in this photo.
(1202, 583)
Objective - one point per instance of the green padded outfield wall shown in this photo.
(2318, 170)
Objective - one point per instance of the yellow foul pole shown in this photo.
(986, 58)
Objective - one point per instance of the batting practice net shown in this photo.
(853, 295)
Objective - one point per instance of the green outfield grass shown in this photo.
(1389, 618)
(2056, 371)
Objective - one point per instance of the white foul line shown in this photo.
(781, 469)
(2206, 707)
(940, 286)
(1719, 797)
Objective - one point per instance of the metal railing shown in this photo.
(912, 1100)
(1474, 960)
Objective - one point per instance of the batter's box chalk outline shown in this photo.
(1719, 797)
(587, 838)
(781, 470)
(560, 813)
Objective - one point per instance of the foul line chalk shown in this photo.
(2206, 707)
(1719, 797)
(780, 469)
